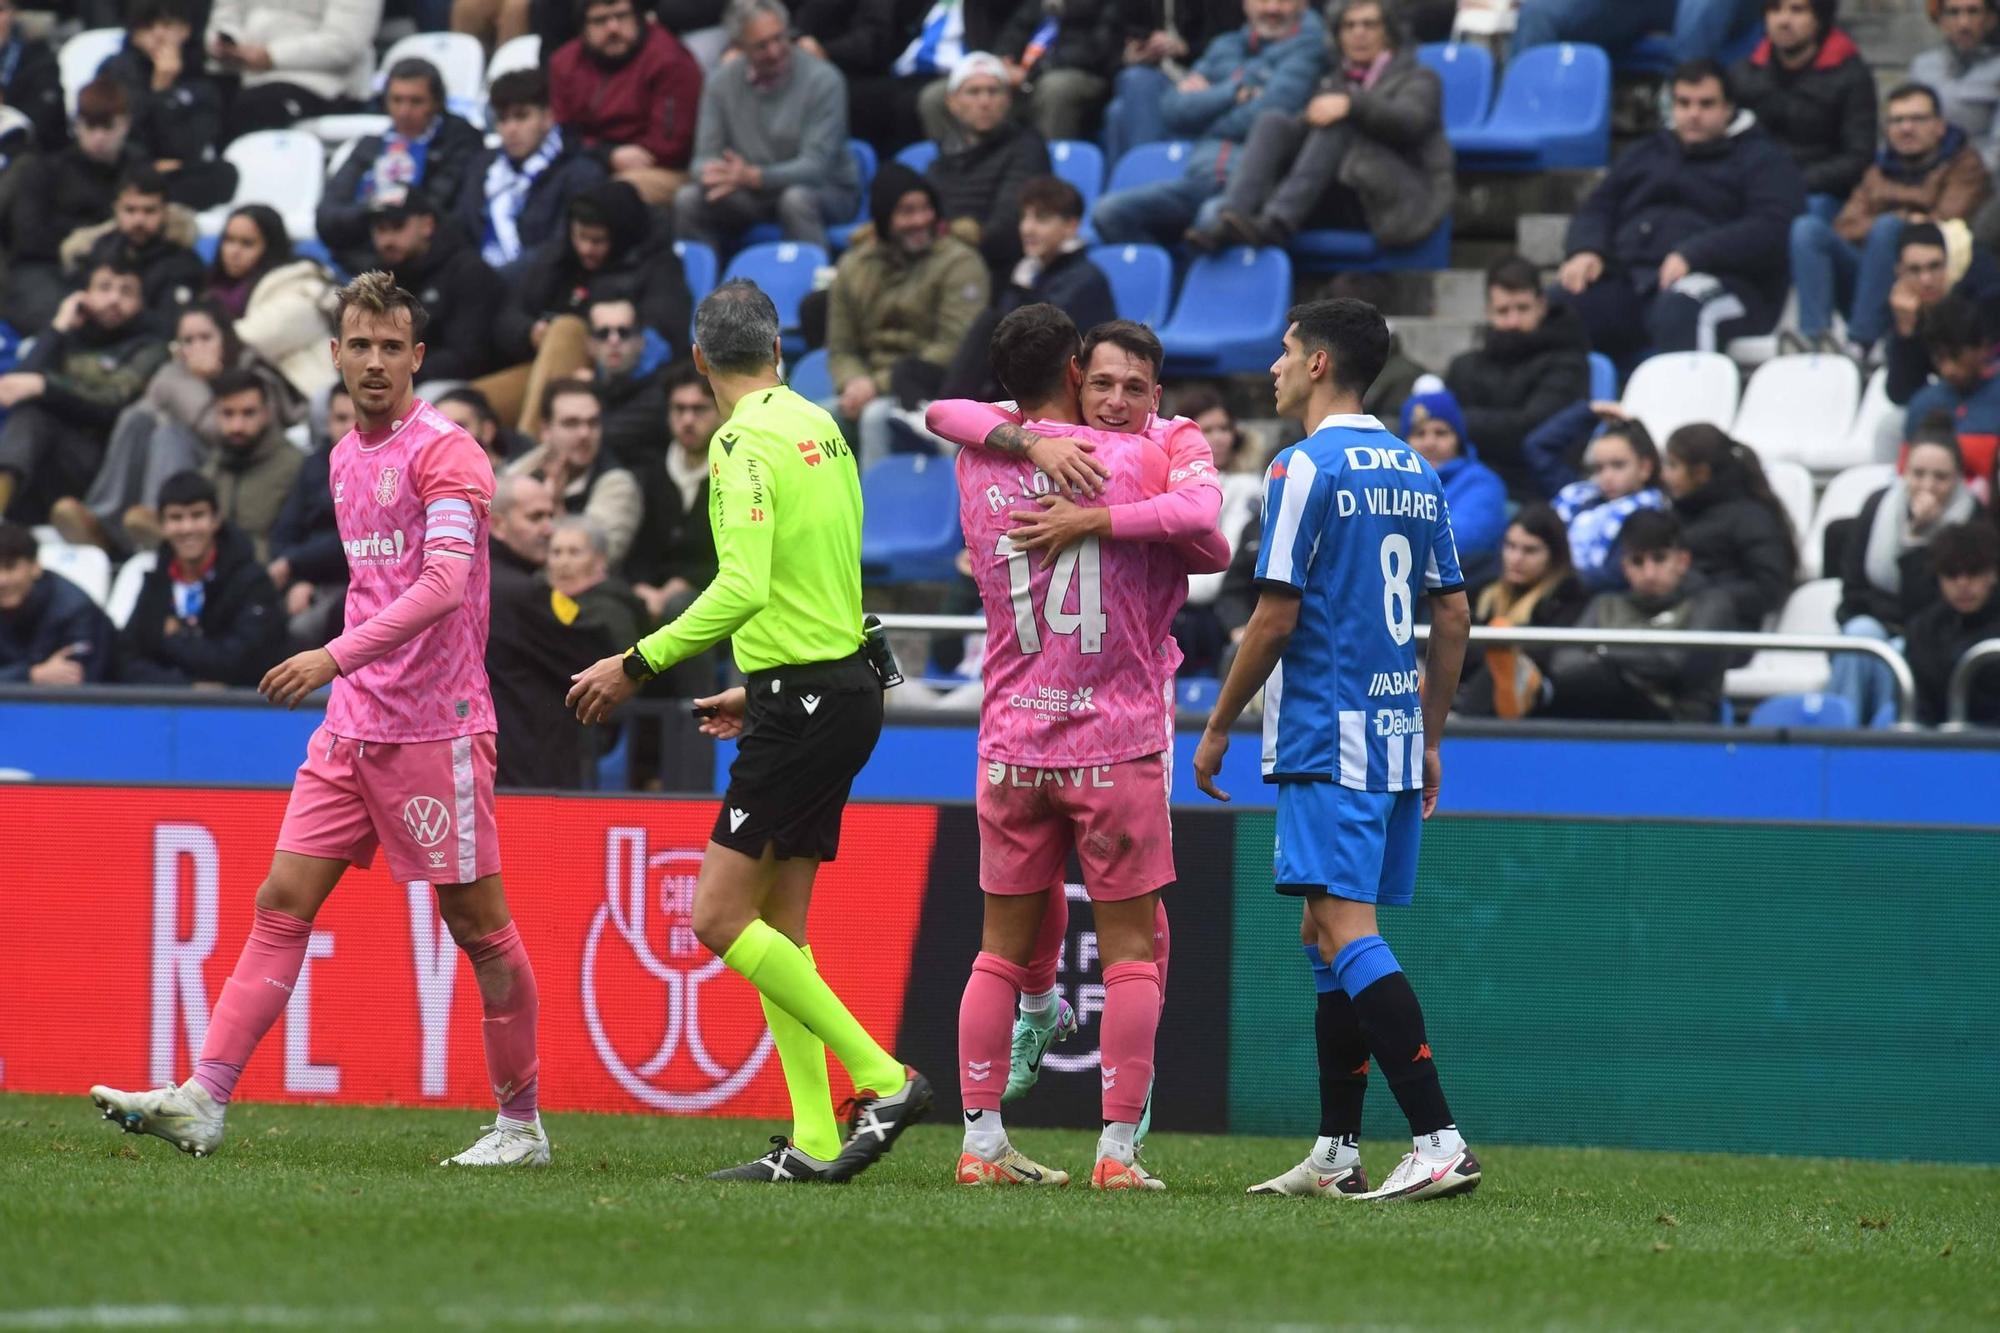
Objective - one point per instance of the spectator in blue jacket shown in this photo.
(1477, 497)
(1269, 64)
(1683, 245)
(1623, 477)
(51, 633)
(517, 195)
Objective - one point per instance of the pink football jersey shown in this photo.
(424, 484)
(1076, 659)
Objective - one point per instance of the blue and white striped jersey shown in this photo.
(1355, 521)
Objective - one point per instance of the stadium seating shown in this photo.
(784, 269)
(1466, 70)
(1877, 428)
(1196, 693)
(1773, 671)
(1554, 111)
(918, 156)
(810, 377)
(1082, 165)
(1142, 280)
(1842, 498)
(457, 56)
(282, 168)
(865, 163)
(909, 526)
(699, 264)
(1330, 251)
(1230, 317)
(1603, 379)
(88, 567)
(346, 127)
(1801, 408)
(1804, 710)
(82, 56)
(1672, 390)
(1793, 485)
(1149, 164)
(125, 587)
(523, 52)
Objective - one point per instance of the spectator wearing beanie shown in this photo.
(1474, 493)
(984, 162)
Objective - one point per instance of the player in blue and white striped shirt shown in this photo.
(1355, 528)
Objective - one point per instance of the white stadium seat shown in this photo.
(1793, 486)
(1843, 498)
(88, 567)
(523, 52)
(459, 58)
(1677, 389)
(82, 56)
(125, 588)
(346, 127)
(1877, 428)
(283, 168)
(1801, 408)
(1773, 671)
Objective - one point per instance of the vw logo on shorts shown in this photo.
(669, 1038)
(427, 819)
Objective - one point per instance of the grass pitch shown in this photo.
(336, 1218)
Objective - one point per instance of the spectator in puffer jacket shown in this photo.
(176, 111)
(1650, 684)
(1735, 528)
(1477, 498)
(1812, 92)
(1682, 247)
(985, 161)
(1926, 172)
(51, 633)
(55, 193)
(1269, 64)
(280, 301)
(1622, 469)
(1967, 560)
(1533, 362)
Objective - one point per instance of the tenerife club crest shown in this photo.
(385, 486)
(669, 1038)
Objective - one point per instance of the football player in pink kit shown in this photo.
(405, 757)
(1073, 739)
(1120, 393)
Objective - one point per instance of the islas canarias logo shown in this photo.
(666, 1022)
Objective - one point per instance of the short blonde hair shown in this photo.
(376, 293)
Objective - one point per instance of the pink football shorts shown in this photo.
(1114, 815)
(428, 803)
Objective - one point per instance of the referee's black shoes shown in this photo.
(878, 1122)
(783, 1165)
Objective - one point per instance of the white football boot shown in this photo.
(185, 1116)
(506, 1143)
(1414, 1178)
(1307, 1181)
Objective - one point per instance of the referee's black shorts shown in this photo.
(807, 730)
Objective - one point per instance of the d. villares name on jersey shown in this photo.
(1356, 523)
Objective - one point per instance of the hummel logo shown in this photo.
(736, 818)
(979, 1070)
(1110, 1076)
(811, 701)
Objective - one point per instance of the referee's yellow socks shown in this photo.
(785, 976)
(814, 1130)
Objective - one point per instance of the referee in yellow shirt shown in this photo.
(785, 505)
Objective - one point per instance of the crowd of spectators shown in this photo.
(162, 407)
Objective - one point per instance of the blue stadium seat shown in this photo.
(1466, 70)
(1331, 251)
(1230, 318)
(784, 269)
(864, 163)
(909, 526)
(1554, 111)
(698, 267)
(810, 377)
(1603, 378)
(1804, 710)
(1148, 164)
(918, 156)
(1654, 55)
(1082, 165)
(1196, 693)
(1142, 280)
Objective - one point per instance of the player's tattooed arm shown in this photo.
(1009, 439)
(1065, 460)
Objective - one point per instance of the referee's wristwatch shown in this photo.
(636, 668)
